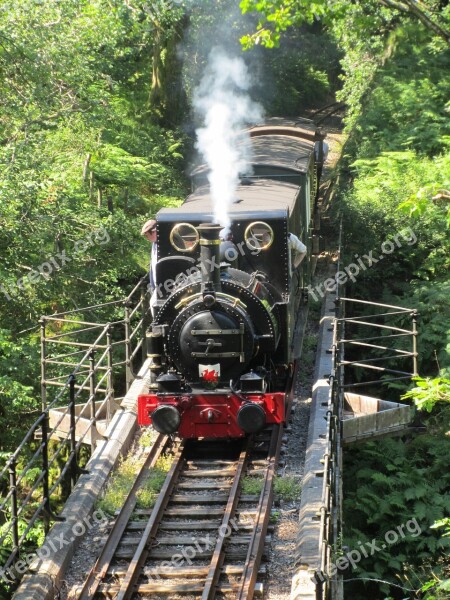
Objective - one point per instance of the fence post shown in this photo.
(414, 341)
(92, 397)
(43, 365)
(109, 378)
(48, 513)
(14, 517)
(73, 440)
(144, 322)
(128, 369)
(45, 480)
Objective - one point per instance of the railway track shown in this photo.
(204, 537)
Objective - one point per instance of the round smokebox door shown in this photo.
(210, 337)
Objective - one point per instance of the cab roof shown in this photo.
(261, 198)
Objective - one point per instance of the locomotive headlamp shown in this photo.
(169, 383)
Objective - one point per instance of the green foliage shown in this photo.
(305, 66)
(436, 587)
(397, 163)
(287, 488)
(401, 190)
(428, 392)
(83, 165)
(252, 485)
(16, 390)
(276, 16)
(408, 102)
(388, 484)
(124, 477)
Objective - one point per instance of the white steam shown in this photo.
(226, 108)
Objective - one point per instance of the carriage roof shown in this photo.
(282, 151)
(278, 143)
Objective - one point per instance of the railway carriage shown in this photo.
(221, 341)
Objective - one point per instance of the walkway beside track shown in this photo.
(311, 551)
(45, 576)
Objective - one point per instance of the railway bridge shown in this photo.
(86, 412)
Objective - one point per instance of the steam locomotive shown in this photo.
(221, 341)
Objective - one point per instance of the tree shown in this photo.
(278, 15)
(75, 128)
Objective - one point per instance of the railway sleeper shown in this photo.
(185, 571)
(208, 473)
(191, 526)
(111, 590)
(210, 499)
(231, 553)
(204, 485)
(183, 540)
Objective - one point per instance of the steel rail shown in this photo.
(73, 331)
(376, 315)
(377, 337)
(215, 568)
(247, 583)
(50, 361)
(373, 381)
(374, 368)
(55, 316)
(128, 585)
(103, 562)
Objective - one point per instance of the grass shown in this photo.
(252, 486)
(148, 493)
(147, 437)
(123, 478)
(118, 487)
(287, 488)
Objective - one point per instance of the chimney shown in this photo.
(210, 256)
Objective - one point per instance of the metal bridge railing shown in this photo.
(80, 360)
(376, 328)
(328, 579)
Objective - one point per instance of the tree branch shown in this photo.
(396, 5)
(419, 10)
(427, 21)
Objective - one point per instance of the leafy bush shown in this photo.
(387, 484)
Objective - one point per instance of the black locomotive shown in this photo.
(221, 338)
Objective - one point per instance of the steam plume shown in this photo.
(223, 102)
